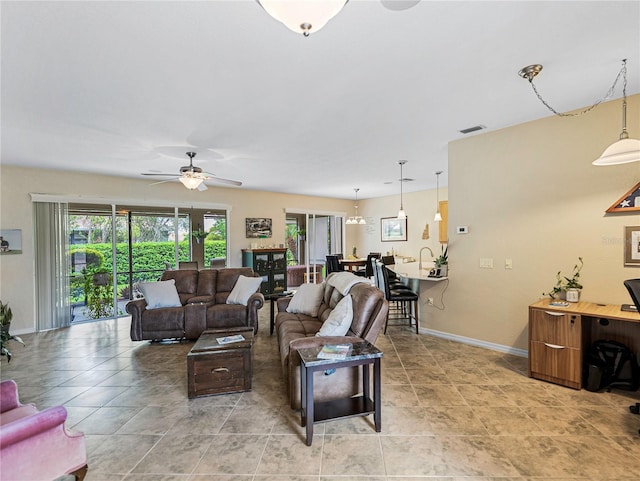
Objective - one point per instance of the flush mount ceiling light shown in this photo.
(624, 150)
(401, 213)
(356, 219)
(303, 16)
(438, 216)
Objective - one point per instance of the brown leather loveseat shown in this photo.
(203, 295)
(297, 331)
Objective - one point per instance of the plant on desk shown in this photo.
(570, 285)
(442, 261)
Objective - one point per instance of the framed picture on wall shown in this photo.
(393, 229)
(632, 246)
(258, 227)
(10, 241)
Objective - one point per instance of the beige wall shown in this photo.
(531, 194)
(17, 271)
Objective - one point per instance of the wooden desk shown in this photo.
(350, 264)
(560, 336)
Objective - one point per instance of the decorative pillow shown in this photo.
(307, 300)
(160, 294)
(339, 321)
(244, 288)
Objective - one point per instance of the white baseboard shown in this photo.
(476, 342)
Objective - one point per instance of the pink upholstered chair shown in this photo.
(35, 445)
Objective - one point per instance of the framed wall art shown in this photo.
(258, 227)
(629, 202)
(393, 229)
(10, 241)
(632, 246)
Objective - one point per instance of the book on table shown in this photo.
(334, 351)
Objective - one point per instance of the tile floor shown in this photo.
(450, 412)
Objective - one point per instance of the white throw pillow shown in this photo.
(245, 287)
(339, 321)
(160, 294)
(307, 300)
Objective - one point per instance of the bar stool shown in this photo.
(405, 299)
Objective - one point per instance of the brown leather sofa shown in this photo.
(297, 331)
(203, 295)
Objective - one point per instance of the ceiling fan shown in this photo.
(193, 177)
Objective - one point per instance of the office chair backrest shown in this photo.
(633, 286)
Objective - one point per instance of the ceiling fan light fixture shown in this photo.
(303, 16)
(191, 182)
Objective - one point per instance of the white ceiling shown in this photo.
(122, 87)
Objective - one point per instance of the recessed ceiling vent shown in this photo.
(472, 129)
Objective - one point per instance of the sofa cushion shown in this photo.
(227, 278)
(245, 287)
(207, 279)
(339, 321)
(160, 294)
(307, 300)
(186, 282)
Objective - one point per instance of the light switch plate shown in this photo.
(486, 263)
(462, 229)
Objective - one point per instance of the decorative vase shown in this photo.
(444, 270)
(572, 295)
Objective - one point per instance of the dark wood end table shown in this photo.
(362, 354)
(272, 298)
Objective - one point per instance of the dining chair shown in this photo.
(333, 265)
(368, 267)
(188, 265)
(218, 262)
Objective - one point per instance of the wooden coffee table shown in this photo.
(218, 368)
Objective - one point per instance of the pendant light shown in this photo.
(438, 216)
(624, 150)
(303, 16)
(401, 213)
(356, 219)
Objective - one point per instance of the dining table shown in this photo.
(353, 264)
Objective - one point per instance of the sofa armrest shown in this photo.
(283, 302)
(9, 395)
(136, 308)
(29, 426)
(254, 304)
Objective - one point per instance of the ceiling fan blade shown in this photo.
(162, 182)
(210, 176)
(163, 175)
(202, 187)
(226, 181)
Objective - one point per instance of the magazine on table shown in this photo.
(230, 339)
(334, 351)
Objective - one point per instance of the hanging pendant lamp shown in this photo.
(438, 216)
(624, 150)
(356, 219)
(401, 213)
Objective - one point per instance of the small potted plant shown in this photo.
(442, 261)
(5, 323)
(570, 285)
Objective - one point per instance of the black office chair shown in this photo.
(405, 300)
(633, 286)
(333, 265)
